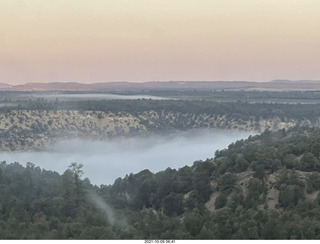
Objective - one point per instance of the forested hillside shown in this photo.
(37, 124)
(265, 187)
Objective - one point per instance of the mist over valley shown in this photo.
(105, 161)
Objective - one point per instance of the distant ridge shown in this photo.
(296, 81)
(275, 85)
(5, 86)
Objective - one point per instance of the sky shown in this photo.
(158, 40)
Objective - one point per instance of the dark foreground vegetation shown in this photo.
(265, 187)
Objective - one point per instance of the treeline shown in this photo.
(244, 96)
(232, 110)
(19, 97)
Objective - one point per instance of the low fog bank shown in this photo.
(94, 96)
(105, 161)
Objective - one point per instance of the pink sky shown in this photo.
(158, 40)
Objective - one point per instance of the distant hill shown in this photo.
(5, 86)
(276, 85)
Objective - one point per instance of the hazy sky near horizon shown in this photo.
(158, 40)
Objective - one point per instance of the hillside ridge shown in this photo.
(275, 85)
(39, 129)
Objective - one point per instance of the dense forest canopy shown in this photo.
(265, 187)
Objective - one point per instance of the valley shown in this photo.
(226, 165)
